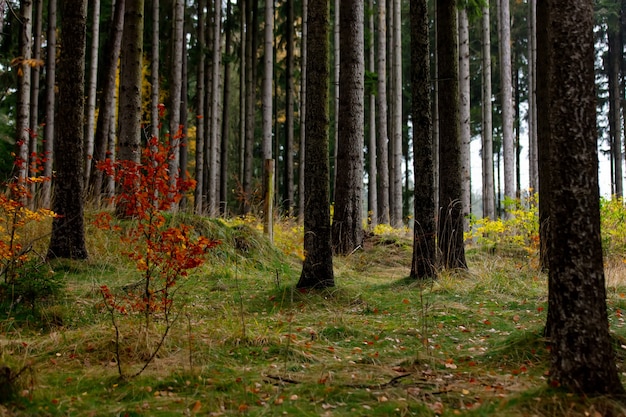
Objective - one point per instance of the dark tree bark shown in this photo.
(450, 186)
(347, 229)
(48, 132)
(317, 271)
(223, 186)
(200, 111)
(68, 232)
(424, 228)
(582, 355)
(288, 193)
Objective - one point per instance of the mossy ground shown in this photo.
(248, 343)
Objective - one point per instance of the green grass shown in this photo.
(248, 343)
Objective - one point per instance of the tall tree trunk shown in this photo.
(288, 186)
(317, 270)
(67, 239)
(34, 101)
(372, 175)
(382, 162)
(130, 83)
(24, 86)
(242, 84)
(424, 228)
(435, 111)
(615, 100)
(395, 205)
(268, 76)
(533, 159)
(450, 236)
(184, 142)
(583, 360)
(507, 97)
(175, 91)
(154, 70)
(464, 115)
(48, 133)
(224, 148)
(92, 84)
(347, 227)
(215, 94)
(336, 75)
(106, 113)
(251, 46)
(489, 206)
(200, 111)
(303, 109)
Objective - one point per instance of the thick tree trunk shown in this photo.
(129, 141)
(68, 231)
(317, 270)
(451, 208)
(424, 227)
(347, 228)
(582, 350)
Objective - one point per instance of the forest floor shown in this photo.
(246, 342)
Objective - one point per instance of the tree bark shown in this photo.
(451, 207)
(303, 98)
(317, 270)
(372, 176)
(288, 185)
(200, 111)
(347, 227)
(424, 228)
(24, 86)
(507, 97)
(582, 354)
(68, 232)
(382, 162)
(395, 194)
(91, 91)
(489, 206)
(224, 148)
(464, 115)
(48, 133)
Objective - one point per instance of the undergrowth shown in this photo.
(249, 343)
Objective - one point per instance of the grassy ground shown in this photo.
(246, 342)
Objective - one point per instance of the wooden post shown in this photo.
(268, 181)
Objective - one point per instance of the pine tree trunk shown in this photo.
(347, 228)
(34, 102)
(533, 159)
(268, 75)
(212, 202)
(615, 100)
(48, 133)
(200, 111)
(507, 97)
(382, 162)
(92, 84)
(450, 236)
(24, 87)
(175, 91)
(464, 114)
(395, 194)
(303, 109)
(372, 175)
(489, 207)
(154, 70)
(583, 360)
(225, 136)
(251, 46)
(424, 226)
(317, 270)
(106, 112)
(67, 239)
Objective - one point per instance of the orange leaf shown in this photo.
(196, 407)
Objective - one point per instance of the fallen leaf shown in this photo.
(196, 407)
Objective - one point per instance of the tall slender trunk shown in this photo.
(615, 101)
(106, 116)
(464, 115)
(303, 81)
(288, 202)
(215, 90)
(176, 84)
(507, 97)
(154, 70)
(200, 111)
(371, 148)
(268, 75)
(381, 118)
(533, 158)
(92, 84)
(336, 75)
(34, 100)
(489, 207)
(251, 46)
(396, 119)
(24, 87)
(224, 148)
(48, 133)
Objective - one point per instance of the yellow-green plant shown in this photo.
(613, 217)
(517, 233)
